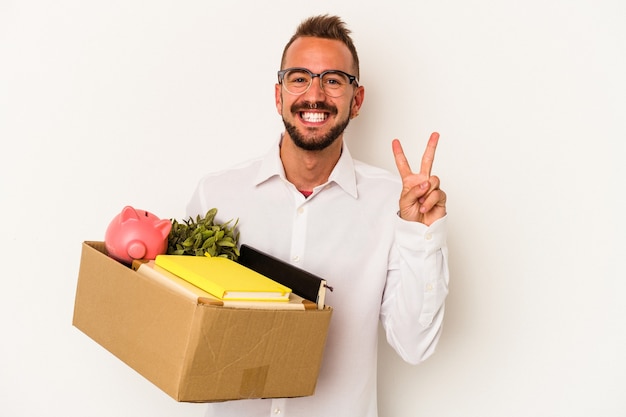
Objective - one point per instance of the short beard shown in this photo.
(319, 143)
(316, 143)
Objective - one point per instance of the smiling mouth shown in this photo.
(313, 117)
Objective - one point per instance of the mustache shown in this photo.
(318, 105)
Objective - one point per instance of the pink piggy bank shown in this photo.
(136, 234)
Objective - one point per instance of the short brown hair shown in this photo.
(326, 27)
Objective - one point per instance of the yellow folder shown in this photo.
(223, 278)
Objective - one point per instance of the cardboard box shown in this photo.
(191, 351)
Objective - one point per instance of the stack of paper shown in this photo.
(158, 274)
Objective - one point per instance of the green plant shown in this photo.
(203, 236)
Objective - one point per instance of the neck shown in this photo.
(308, 169)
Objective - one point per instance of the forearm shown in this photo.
(417, 285)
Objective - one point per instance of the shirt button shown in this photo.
(428, 236)
(277, 411)
(429, 287)
(295, 258)
(300, 210)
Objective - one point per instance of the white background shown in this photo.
(109, 103)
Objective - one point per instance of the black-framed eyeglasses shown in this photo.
(297, 81)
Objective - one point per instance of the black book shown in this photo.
(301, 282)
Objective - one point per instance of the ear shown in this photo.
(278, 98)
(357, 101)
(164, 227)
(128, 213)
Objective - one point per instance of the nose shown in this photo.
(315, 92)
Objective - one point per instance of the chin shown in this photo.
(317, 142)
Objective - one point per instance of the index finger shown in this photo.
(401, 162)
(429, 155)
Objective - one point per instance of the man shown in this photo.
(308, 202)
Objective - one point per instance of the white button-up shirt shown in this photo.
(349, 233)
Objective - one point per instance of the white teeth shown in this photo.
(313, 117)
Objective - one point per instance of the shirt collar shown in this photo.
(343, 174)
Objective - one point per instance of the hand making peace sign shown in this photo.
(421, 200)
